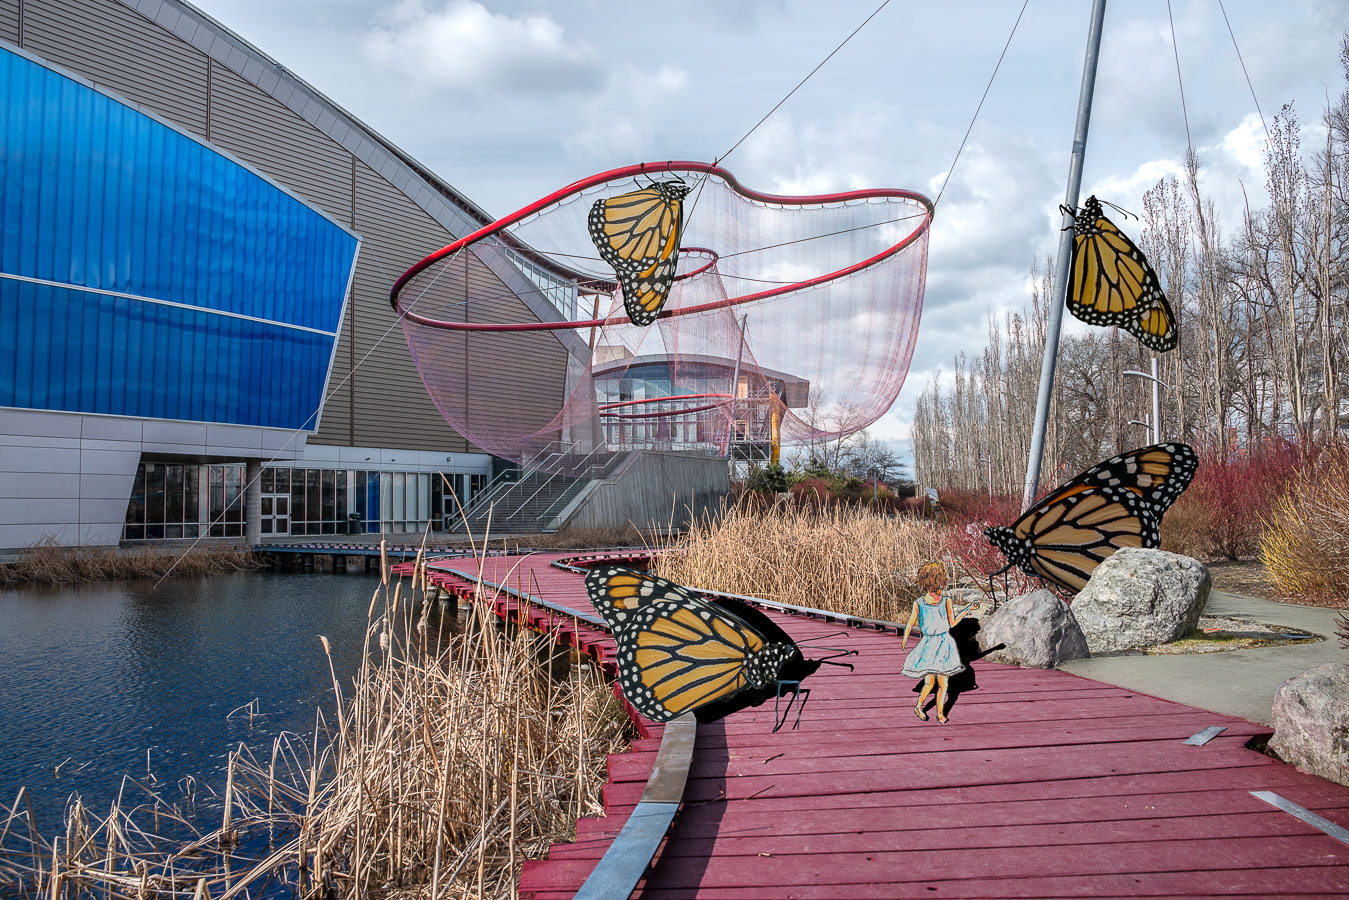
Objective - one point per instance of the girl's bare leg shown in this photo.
(942, 683)
(922, 697)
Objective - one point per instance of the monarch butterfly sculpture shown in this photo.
(638, 234)
(679, 653)
(1111, 282)
(1063, 537)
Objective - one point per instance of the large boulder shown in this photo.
(1036, 629)
(1139, 598)
(1311, 721)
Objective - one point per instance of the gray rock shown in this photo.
(1038, 629)
(1311, 721)
(1139, 598)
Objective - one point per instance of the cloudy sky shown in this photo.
(509, 100)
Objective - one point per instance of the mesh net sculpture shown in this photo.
(788, 318)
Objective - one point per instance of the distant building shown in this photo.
(196, 253)
(643, 404)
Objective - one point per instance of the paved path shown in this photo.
(1044, 784)
(1237, 682)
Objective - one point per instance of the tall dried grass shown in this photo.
(850, 560)
(1305, 544)
(51, 563)
(453, 758)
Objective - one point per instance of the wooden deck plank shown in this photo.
(1043, 785)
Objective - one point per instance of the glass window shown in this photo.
(268, 480)
(135, 508)
(173, 494)
(234, 492)
(329, 508)
(399, 496)
(154, 492)
(313, 508)
(282, 481)
(385, 500)
(215, 487)
(296, 497)
(191, 496)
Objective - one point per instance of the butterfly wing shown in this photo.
(676, 652)
(1118, 503)
(638, 234)
(1111, 282)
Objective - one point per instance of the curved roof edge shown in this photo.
(449, 208)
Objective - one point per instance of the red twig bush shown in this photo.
(1222, 513)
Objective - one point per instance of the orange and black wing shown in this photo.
(638, 234)
(1119, 503)
(676, 652)
(1111, 282)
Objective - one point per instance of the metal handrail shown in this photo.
(551, 478)
(566, 496)
(489, 494)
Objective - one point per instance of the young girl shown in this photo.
(935, 657)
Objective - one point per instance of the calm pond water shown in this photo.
(93, 676)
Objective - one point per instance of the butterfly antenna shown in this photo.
(1120, 208)
(837, 652)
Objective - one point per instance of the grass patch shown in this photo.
(47, 562)
(845, 559)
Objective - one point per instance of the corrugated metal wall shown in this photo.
(115, 46)
(9, 20)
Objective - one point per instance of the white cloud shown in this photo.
(474, 52)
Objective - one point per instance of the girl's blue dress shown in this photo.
(936, 652)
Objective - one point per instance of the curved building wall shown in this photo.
(180, 64)
(71, 474)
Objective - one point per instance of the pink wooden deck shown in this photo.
(1042, 785)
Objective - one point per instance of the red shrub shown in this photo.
(1230, 498)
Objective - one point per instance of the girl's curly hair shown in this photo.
(931, 577)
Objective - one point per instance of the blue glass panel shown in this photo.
(129, 357)
(96, 194)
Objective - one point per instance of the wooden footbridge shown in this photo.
(1044, 784)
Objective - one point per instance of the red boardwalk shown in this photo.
(1042, 785)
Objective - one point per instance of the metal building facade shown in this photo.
(168, 59)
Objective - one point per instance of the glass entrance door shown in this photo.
(275, 514)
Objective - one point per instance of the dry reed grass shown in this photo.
(1305, 543)
(49, 562)
(846, 559)
(453, 758)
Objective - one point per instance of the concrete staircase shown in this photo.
(526, 504)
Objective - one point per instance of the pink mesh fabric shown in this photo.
(825, 353)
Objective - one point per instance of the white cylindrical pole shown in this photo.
(1156, 405)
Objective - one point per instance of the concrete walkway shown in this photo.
(1234, 682)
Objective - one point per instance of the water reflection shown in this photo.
(93, 676)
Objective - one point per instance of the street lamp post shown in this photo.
(1156, 429)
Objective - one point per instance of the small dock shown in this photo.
(1044, 784)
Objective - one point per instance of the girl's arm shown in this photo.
(954, 617)
(913, 617)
